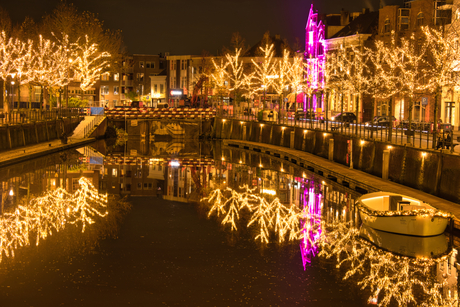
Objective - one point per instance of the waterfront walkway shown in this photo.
(371, 182)
(38, 150)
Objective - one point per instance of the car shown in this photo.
(162, 105)
(301, 114)
(346, 117)
(382, 121)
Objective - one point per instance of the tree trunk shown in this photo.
(357, 114)
(435, 116)
(341, 112)
(390, 126)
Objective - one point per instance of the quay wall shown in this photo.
(431, 171)
(18, 135)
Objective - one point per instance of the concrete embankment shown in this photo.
(19, 135)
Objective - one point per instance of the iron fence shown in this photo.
(420, 136)
(23, 116)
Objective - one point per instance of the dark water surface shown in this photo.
(168, 252)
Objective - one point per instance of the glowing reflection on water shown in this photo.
(49, 214)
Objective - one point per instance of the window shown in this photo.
(104, 89)
(115, 102)
(105, 77)
(116, 90)
(38, 93)
(183, 82)
(173, 65)
(140, 77)
(162, 64)
(150, 64)
(183, 64)
(420, 19)
(155, 88)
(161, 88)
(147, 65)
(404, 19)
(141, 64)
(116, 77)
(75, 184)
(387, 26)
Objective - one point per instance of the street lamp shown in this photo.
(12, 96)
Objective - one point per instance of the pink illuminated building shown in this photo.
(315, 57)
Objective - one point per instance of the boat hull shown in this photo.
(410, 246)
(414, 225)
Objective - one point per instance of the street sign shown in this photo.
(424, 101)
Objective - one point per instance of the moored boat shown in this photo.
(401, 214)
(409, 246)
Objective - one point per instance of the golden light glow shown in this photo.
(49, 214)
(266, 216)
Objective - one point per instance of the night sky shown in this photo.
(188, 27)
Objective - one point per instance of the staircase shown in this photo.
(87, 126)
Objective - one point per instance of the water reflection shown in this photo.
(392, 268)
(48, 214)
(276, 202)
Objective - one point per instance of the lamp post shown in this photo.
(12, 96)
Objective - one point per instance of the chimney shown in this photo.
(365, 10)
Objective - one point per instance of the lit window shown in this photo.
(105, 77)
(114, 172)
(116, 77)
(141, 64)
(104, 90)
(116, 89)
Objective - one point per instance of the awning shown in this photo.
(300, 97)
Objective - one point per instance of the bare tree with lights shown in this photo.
(89, 63)
(358, 76)
(11, 52)
(338, 73)
(220, 78)
(296, 77)
(263, 71)
(236, 75)
(386, 64)
(281, 80)
(443, 58)
(411, 64)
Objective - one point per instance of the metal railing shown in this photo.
(95, 121)
(23, 116)
(420, 136)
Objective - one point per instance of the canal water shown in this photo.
(156, 241)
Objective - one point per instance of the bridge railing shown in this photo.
(398, 134)
(23, 116)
